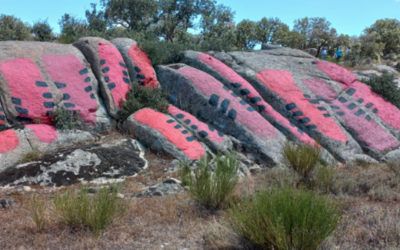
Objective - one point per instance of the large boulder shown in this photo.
(16, 144)
(213, 138)
(290, 81)
(37, 78)
(240, 86)
(95, 162)
(138, 63)
(163, 133)
(201, 94)
(110, 69)
(361, 111)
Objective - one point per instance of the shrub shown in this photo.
(213, 188)
(37, 209)
(162, 52)
(385, 86)
(143, 97)
(285, 219)
(66, 119)
(31, 156)
(302, 159)
(94, 213)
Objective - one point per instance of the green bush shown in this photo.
(285, 219)
(66, 119)
(93, 212)
(143, 97)
(386, 87)
(162, 52)
(213, 188)
(302, 159)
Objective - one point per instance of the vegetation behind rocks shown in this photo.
(162, 33)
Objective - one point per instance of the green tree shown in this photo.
(272, 30)
(217, 27)
(12, 28)
(96, 19)
(386, 32)
(294, 40)
(372, 46)
(72, 29)
(134, 15)
(42, 31)
(176, 17)
(246, 34)
(316, 31)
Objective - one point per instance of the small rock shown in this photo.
(172, 181)
(121, 196)
(27, 188)
(6, 203)
(167, 187)
(255, 169)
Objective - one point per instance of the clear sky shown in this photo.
(347, 16)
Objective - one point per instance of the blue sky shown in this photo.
(347, 16)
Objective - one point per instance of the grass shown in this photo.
(143, 97)
(34, 155)
(79, 209)
(37, 209)
(324, 178)
(213, 188)
(302, 159)
(285, 218)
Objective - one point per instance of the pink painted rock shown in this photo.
(137, 61)
(242, 87)
(110, 70)
(282, 78)
(53, 76)
(204, 132)
(163, 133)
(207, 98)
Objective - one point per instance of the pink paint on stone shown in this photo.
(320, 88)
(26, 86)
(194, 150)
(225, 71)
(336, 72)
(142, 61)
(8, 141)
(44, 133)
(212, 135)
(368, 132)
(389, 113)
(230, 75)
(113, 59)
(68, 71)
(283, 85)
(208, 86)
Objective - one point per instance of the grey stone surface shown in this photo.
(29, 143)
(95, 163)
(167, 187)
